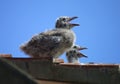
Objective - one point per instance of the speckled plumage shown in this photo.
(53, 42)
(73, 54)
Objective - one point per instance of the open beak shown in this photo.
(82, 48)
(72, 18)
(82, 55)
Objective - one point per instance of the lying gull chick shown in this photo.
(73, 54)
(53, 42)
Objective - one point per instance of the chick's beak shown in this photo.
(82, 48)
(82, 55)
(72, 18)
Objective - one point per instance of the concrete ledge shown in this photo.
(44, 69)
(11, 74)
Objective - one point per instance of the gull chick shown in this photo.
(73, 54)
(52, 42)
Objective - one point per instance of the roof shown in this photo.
(44, 69)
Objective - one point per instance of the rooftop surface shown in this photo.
(46, 72)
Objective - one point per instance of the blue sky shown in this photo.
(99, 30)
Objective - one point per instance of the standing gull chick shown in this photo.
(53, 42)
(73, 54)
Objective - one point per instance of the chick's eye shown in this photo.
(63, 19)
(75, 47)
